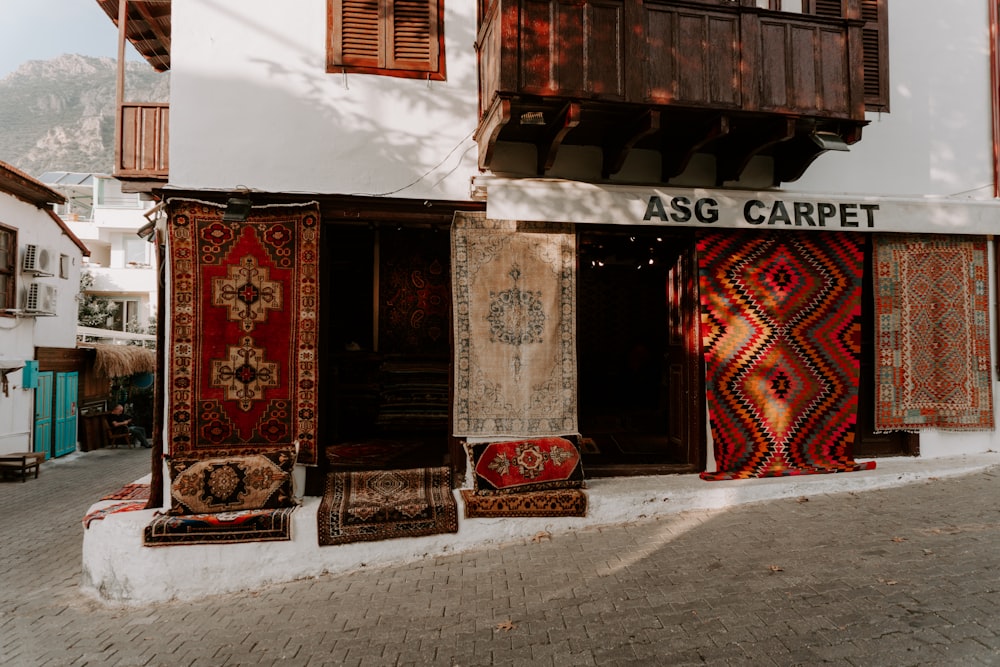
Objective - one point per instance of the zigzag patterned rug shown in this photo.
(781, 322)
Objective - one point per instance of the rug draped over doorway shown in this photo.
(370, 505)
(933, 343)
(781, 324)
(244, 302)
(514, 289)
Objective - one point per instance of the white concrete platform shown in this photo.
(117, 569)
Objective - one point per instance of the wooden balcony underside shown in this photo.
(678, 78)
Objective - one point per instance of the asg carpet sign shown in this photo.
(568, 201)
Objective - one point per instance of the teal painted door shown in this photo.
(66, 385)
(43, 414)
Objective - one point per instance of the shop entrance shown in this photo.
(640, 392)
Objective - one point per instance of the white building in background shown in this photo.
(121, 262)
(40, 261)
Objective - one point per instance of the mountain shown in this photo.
(59, 114)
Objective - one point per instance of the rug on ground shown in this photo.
(781, 322)
(554, 502)
(259, 525)
(244, 308)
(365, 506)
(101, 512)
(135, 491)
(933, 343)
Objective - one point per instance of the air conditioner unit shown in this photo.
(37, 259)
(41, 299)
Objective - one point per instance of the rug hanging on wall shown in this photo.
(243, 301)
(365, 506)
(413, 293)
(781, 324)
(933, 343)
(514, 288)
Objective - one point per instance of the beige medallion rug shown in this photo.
(514, 290)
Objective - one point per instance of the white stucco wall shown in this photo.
(252, 105)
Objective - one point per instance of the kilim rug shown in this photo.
(100, 513)
(130, 492)
(264, 525)
(557, 502)
(781, 318)
(933, 343)
(514, 288)
(243, 305)
(364, 506)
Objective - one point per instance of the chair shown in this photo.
(114, 439)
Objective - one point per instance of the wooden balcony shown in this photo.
(144, 135)
(679, 77)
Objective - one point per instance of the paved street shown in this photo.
(904, 576)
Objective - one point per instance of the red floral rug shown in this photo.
(365, 506)
(244, 308)
(933, 347)
(781, 323)
(262, 525)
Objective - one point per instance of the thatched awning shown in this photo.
(123, 360)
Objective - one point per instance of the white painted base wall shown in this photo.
(118, 569)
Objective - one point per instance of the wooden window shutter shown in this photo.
(413, 44)
(393, 37)
(875, 46)
(876, 54)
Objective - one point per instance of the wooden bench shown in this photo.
(22, 462)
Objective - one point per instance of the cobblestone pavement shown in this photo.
(908, 575)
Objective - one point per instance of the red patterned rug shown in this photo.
(100, 513)
(244, 307)
(933, 347)
(781, 319)
(130, 492)
(263, 525)
(556, 502)
(365, 506)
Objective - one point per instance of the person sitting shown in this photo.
(121, 424)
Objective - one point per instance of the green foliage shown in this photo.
(93, 311)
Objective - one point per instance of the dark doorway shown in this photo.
(635, 308)
(385, 323)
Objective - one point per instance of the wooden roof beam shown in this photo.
(620, 142)
(554, 134)
(681, 141)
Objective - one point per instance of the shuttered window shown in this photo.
(8, 268)
(874, 37)
(390, 37)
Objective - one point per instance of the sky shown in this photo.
(44, 29)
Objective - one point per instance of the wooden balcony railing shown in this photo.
(144, 136)
(677, 76)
